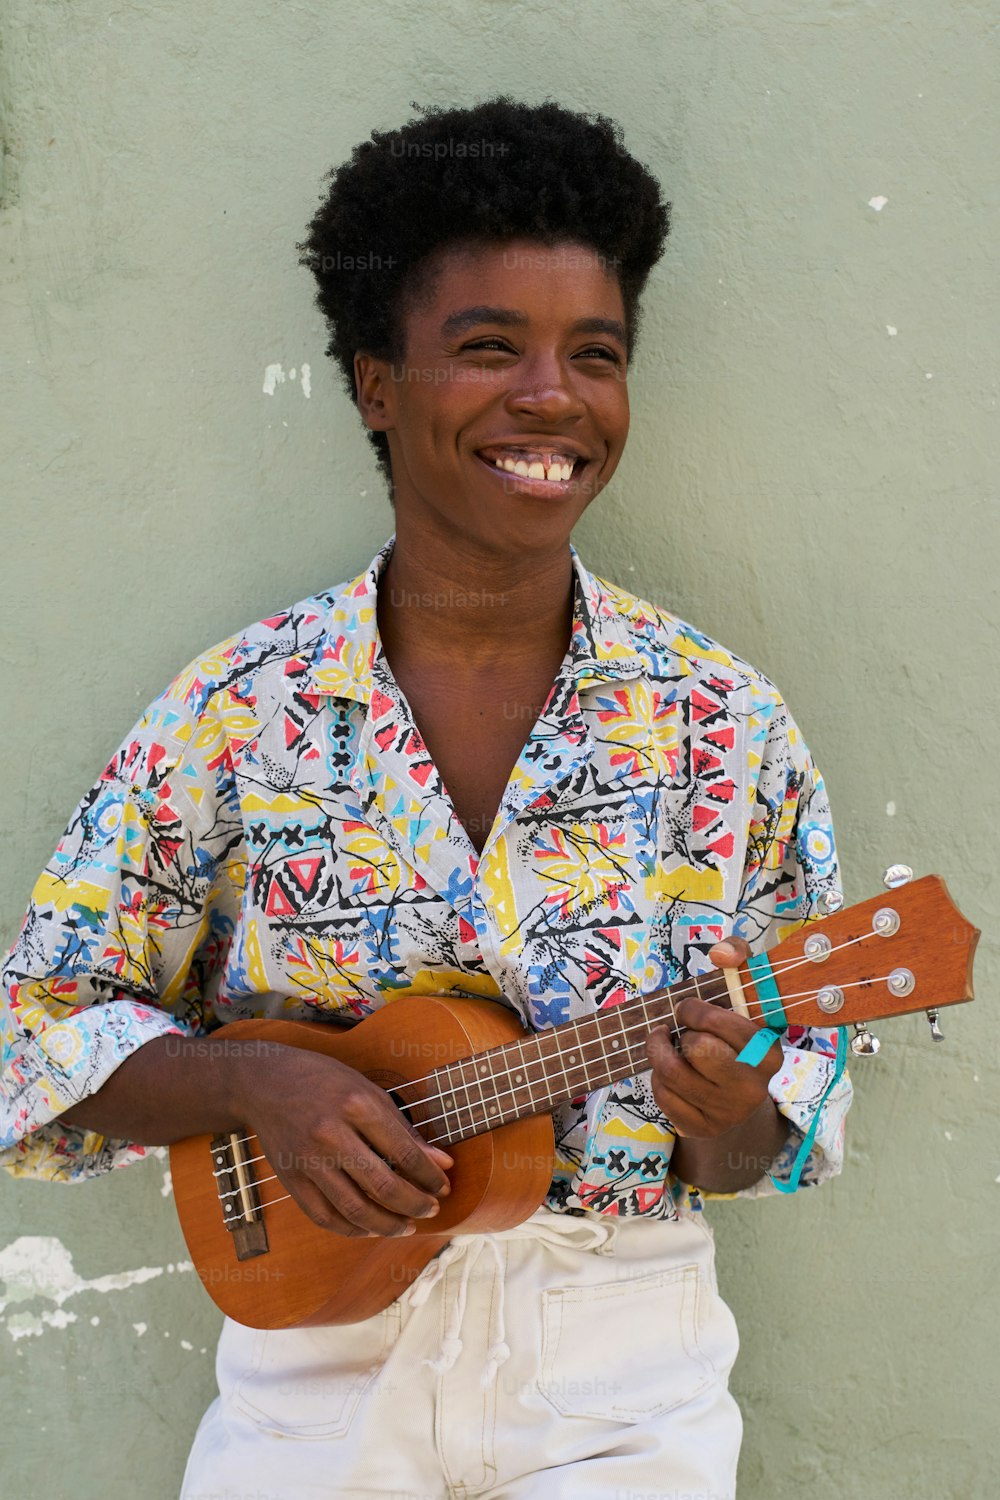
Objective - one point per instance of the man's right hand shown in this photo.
(348, 1156)
(343, 1150)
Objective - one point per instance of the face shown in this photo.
(509, 412)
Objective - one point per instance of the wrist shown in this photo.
(736, 1159)
(250, 1077)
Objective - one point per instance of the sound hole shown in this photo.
(403, 1107)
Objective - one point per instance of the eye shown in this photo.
(604, 353)
(497, 343)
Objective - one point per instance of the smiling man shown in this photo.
(479, 769)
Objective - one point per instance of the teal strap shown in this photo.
(804, 1150)
(770, 1003)
(767, 991)
(757, 1047)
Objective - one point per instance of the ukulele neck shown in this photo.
(538, 1072)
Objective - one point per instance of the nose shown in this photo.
(544, 390)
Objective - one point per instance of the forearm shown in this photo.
(738, 1159)
(175, 1086)
(335, 1140)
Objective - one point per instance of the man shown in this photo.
(475, 768)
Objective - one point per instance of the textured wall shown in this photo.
(811, 478)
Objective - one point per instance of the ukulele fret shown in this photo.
(538, 1072)
(451, 1109)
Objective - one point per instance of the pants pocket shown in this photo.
(306, 1382)
(625, 1350)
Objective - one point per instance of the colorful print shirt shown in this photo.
(273, 839)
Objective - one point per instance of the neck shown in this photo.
(450, 601)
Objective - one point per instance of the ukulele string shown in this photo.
(690, 987)
(640, 1030)
(434, 1140)
(803, 997)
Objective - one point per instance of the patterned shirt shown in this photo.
(273, 839)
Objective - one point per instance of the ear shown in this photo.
(375, 394)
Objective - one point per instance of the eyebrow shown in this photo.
(509, 317)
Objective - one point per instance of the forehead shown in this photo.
(522, 274)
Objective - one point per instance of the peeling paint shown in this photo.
(40, 1268)
(274, 375)
(877, 203)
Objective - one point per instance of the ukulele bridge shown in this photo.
(238, 1198)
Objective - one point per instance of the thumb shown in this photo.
(730, 953)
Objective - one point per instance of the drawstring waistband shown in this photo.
(544, 1224)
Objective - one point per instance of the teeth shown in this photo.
(558, 472)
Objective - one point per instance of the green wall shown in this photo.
(811, 478)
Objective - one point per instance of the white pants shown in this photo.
(570, 1356)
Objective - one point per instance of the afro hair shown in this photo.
(494, 172)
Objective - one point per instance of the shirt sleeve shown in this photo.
(126, 933)
(791, 864)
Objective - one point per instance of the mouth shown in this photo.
(548, 472)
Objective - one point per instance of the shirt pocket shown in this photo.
(627, 1350)
(309, 1382)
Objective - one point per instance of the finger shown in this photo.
(407, 1154)
(382, 1126)
(682, 1116)
(380, 1184)
(351, 1198)
(672, 1072)
(710, 1056)
(697, 1017)
(730, 953)
(324, 1212)
(331, 1174)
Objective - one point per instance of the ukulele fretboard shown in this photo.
(531, 1076)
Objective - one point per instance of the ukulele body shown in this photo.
(308, 1275)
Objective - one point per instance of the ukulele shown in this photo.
(470, 1079)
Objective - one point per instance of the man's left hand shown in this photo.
(698, 1084)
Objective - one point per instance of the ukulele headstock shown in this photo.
(910, 949)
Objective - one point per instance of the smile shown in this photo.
(537, 474)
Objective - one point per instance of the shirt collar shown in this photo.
(601, 647)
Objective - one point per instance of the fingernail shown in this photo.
(429, 1213)
(410, 1229)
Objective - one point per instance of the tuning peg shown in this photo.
(831, 901)
(936, 1032)
(864, 1043)
(896, 875)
